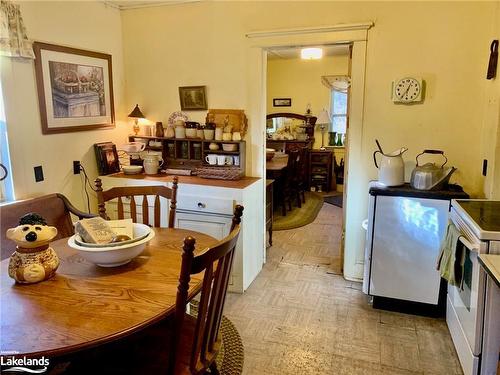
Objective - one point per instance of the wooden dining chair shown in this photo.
(121, 192)
(196, 340)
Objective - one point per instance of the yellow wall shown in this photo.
(88, 25)
(300, 80)
(446, 44)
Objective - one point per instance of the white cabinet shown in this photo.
(209, 209)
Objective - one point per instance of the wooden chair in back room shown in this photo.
(131, 192)
(196, 340)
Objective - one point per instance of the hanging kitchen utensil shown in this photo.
(492, 66)
(430, 176)
(391, 171)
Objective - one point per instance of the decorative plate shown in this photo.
(177, 115)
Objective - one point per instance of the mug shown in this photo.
(211, 159)
(236, 160)
(229, 160)
(221, 159)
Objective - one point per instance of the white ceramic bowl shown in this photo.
(132, 169)
(113, 256)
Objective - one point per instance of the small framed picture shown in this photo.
(282, 102)
(193, 98)
(107, 158)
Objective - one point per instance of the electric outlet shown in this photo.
(38, 173)
(76, 167)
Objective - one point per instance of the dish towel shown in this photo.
(451, 259)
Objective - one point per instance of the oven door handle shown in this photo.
(469, 245)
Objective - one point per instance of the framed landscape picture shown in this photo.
(75, 89)
(282, 102)
(193, 98)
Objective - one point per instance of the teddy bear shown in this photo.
(34, 260)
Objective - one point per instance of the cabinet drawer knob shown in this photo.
(201, 205)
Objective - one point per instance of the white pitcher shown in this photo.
(391, 171)
(152, 163)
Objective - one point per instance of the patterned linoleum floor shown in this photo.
(301, 317)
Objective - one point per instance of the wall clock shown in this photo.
(407, 90)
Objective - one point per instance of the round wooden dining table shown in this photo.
(85, 305)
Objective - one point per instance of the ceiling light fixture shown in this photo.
(311, 53)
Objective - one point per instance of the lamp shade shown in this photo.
(323, 118)
(136, 113)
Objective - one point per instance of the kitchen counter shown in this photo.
(192, 180)
(491, 264)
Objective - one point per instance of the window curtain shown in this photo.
(337, 83)
(13, 39)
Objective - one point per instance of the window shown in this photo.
(339, 111)
(6, 186)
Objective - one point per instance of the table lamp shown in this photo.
(136, 114)
(324, 121)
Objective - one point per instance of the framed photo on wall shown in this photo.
(193, 98)
(282, 102)
(75, 89)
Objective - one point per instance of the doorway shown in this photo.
(355, 180)
(307, 119)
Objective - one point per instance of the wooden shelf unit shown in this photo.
(320, 169)
(181, 153)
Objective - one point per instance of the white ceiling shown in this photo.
(131, 4)
(288, 53)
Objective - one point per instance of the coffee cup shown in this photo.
(221, 159)
(211, 159)
(229, 160)
(236, 160)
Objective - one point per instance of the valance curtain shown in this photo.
(338, 83)
(13, 39)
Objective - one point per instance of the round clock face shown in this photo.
(407, 89)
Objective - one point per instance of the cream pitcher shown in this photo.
(391, 171)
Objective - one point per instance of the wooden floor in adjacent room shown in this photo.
(301, 317)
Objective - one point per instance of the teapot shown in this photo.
(430, 176)
(391, 171)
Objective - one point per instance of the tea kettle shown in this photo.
(391, 171)
(430, 176)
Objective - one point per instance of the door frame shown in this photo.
(355, 192)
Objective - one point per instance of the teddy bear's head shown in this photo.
(32, 232)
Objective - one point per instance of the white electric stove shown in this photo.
(479, 223)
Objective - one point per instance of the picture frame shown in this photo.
(107, 158)
(75, 89)
(282, 102)
(193, 98)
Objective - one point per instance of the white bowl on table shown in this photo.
(113, 255)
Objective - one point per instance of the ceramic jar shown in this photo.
(180, 130)
(227, 136)
(159, 129)
(209, 131)
(170, 133)
(34, 260)
(218, 133)
(236, 136)
(199, 132)
(190, 129)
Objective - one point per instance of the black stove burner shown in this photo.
(485, 213)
